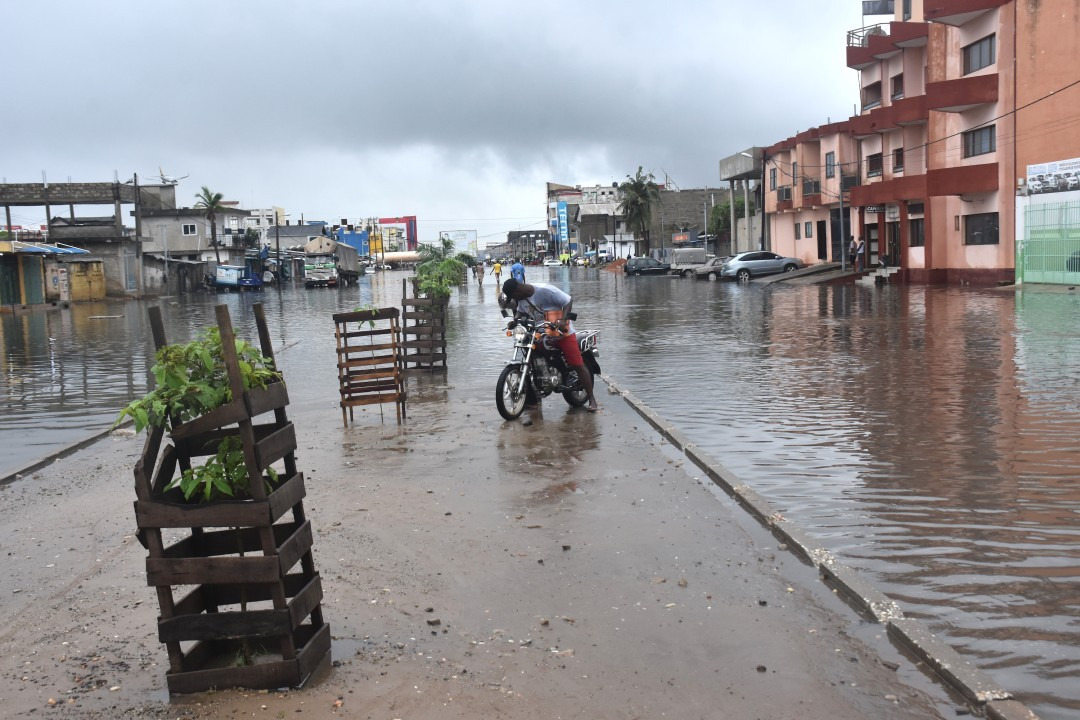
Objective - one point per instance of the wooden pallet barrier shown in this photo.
(369, 360)
(424, 330)
(246, 565)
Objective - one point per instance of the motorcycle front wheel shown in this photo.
(577, 397)
(510, 403)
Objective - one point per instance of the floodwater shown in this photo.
(929, 437)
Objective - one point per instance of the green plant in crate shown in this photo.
(222, 476)
(191, 380)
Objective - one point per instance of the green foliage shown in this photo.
(437, 271)
(210, 203)
(640, 195)
(720, 215)
(466, 259)
(251, 238)
(222, 476)
(191, 380)
(368, 308)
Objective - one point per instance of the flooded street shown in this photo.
(927, 436)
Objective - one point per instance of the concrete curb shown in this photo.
(985, 696)
(63, 452)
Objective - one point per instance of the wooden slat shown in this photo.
(228, 414)
(225, 513)
(290, 551)
(374, 347)
(368, 362)
(363, 333)
(211, 571)
(314, 650)
(262, 400)
(225, 626)
(286, 496)
(372, 400)
(305, 601)
(366, 315)
(275, 446)
(264, 676)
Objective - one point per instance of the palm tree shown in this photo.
(640, 194)
(210, 203)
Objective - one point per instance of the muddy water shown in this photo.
(928, 436)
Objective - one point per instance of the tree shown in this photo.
(210, 203)
(251, 238)
(438, 269)
(720, 215)
(640, 194)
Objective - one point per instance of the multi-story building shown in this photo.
(966, 111)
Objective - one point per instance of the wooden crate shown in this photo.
(423, 330)
(369, 360)
(246, 564)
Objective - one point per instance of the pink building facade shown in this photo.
(929, 173)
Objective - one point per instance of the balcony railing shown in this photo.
(859, 36)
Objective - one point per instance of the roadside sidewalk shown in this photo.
(568, 566)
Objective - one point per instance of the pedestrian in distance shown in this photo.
(860, 255)
(478, 273)
(853, 248)
(517, 271)
(496, 270)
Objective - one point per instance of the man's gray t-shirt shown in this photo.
(545, 297)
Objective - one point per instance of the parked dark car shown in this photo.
(646, 266)
(758, 262)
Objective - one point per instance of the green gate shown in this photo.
(1050, 252)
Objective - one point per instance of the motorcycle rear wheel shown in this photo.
(510, 405)
(577, 397)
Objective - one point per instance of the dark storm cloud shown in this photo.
(521, 87)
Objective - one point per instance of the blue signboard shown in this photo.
(564, 228)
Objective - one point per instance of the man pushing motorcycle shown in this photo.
(538, 299)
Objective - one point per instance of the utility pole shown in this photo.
(165, 243)
(843, 235)
(277, 242)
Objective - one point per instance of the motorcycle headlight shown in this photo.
(519, 333)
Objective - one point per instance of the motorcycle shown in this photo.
(537, 367)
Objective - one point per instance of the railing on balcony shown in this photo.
(811, 186)
(783, 193)
(859, 36)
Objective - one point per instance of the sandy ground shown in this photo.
(568, 565)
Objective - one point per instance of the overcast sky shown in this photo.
(456, 112)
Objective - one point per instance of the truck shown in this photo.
(684, 261)
(237, 278)
(328, 263)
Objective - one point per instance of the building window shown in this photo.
(794, 174)
(871, 96)
(798, 228)
(898, 87)
(809, 230)
(906, 10)
(830, 164)
(916, 233)
(772, 179)
(873, 165)
(190, 230)
(980, 141)
(979, 54)
(981, 229)
(898, 159)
